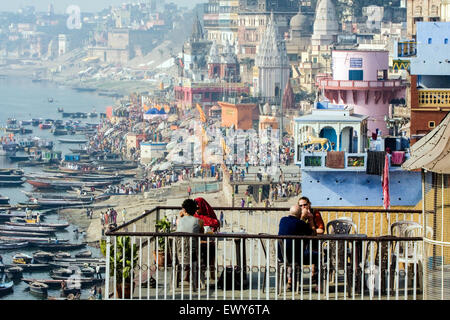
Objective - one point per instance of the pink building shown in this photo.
(360, 80)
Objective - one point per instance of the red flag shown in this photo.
(385, 184)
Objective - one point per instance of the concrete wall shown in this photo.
(372, 61)
(432, 58)
(352, 188)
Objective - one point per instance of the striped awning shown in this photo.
(432, 152)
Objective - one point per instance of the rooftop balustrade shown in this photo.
(246, 259)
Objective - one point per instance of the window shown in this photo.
(355, 75)
(381, 74)
(431, 124)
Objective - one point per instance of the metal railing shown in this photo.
(239, 266)
(354, 84)
(245, 260)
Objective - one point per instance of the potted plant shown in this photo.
(163, 226)
(121, 263)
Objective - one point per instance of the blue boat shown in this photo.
(6, 285)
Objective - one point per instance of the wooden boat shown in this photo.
(60, 246)
(66, 273)
(79, 150)
(6, 285)
(11, 183)
(65, 292)
(14, 272)
(45, 126)
(60, 109)
(56, 283)
(60, 132)
(25, 122)
(17, 158)
(39, 183)
(8, 171)
(13, 245)
(79, 265)
(84, 254)
(32, 240)
(58, 226)
(38, 229)
(38, 288)
(22, 258)
(31, 267)
(4, 200)
(36, 122)
(11, 177)
(22, 234)
(79, 141)
(43, 256)
(47, 203)
(62, 255)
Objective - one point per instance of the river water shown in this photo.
(23, 99)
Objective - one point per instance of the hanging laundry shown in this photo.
(335, 159)
(375, 162)
(398, 157)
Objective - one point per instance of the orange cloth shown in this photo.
(318, 221)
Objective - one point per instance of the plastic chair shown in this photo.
(339, 259)
(409, 253)
(376, 265)
(343, 225)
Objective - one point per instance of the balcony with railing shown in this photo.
(246, 259)
(331, 84)
(436, 98)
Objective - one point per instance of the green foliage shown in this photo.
(123, 259)
(163, 225)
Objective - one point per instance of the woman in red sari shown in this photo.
(206, 213)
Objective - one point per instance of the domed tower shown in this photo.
(301, 25)
(326, 26)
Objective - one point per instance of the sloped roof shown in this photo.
(432, 152)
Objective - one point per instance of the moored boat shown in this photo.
(14, 272)
(43, 256)
(6, 285)
(16, 158)
(67, 140)
(56, 283)
(38, 288)
(37, 229)
(11, 183)
(4, 200)
(13, 245)
(60, 246)
(45, 125)
(58, 226)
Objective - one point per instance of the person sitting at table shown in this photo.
(312, 215)
(206, 213)
(294, 225)
(187, 249)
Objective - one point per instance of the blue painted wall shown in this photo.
(352, 188)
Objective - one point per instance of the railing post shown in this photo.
(108, 259)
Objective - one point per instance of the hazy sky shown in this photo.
(85, 5)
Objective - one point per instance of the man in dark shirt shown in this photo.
(293, 225)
